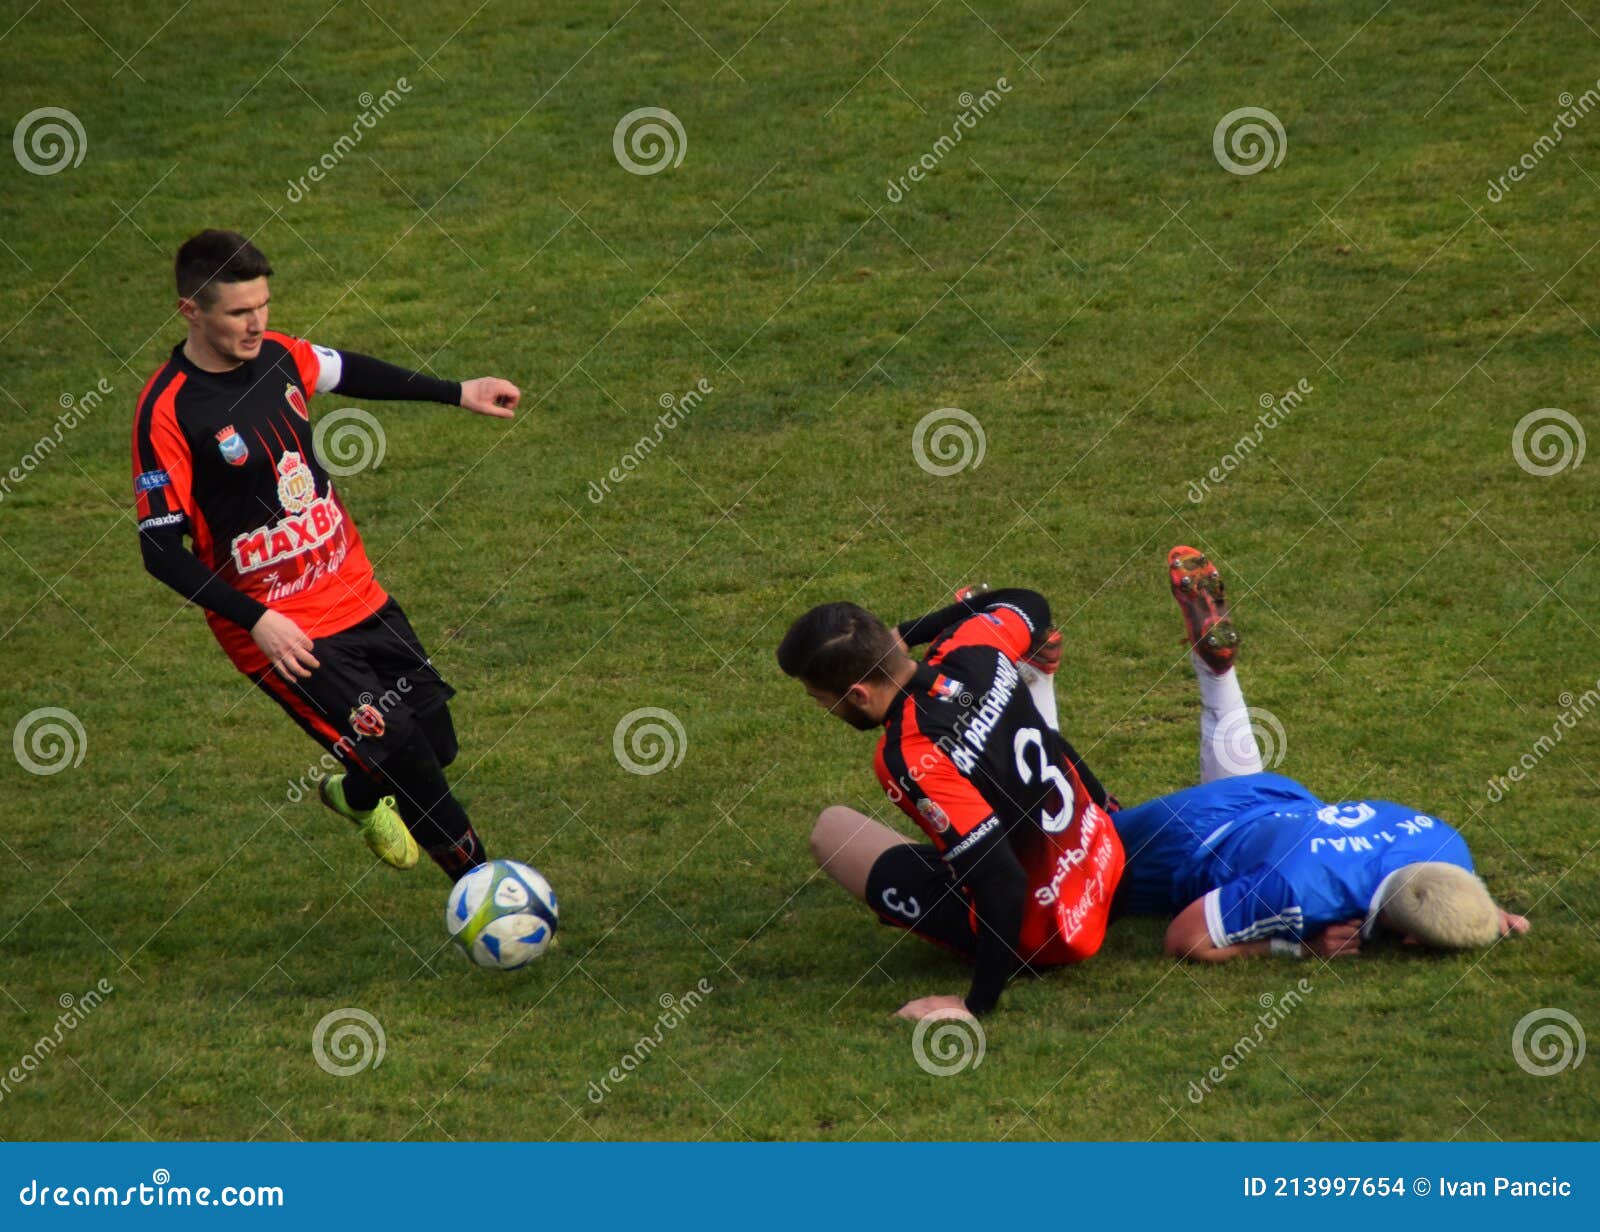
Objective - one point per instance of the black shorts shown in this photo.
(375, 679)
(910, 887)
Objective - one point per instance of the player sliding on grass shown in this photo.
(1023, 859)
(1253, 863)
(222, 452)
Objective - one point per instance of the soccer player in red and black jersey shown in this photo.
(1022, 859)
(222, 454)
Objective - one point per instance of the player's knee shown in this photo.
(828, 832)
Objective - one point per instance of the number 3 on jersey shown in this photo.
(1030, 738)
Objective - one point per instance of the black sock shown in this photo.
(360, 791)
(432, 814)
(462, 856)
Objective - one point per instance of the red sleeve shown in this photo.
(305, 358)
(922, 780)
(1005, 628)
(162, 474)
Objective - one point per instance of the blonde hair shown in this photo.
(1442, 905)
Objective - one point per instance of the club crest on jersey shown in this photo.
(937, 817)
(297, 486)
(367, 720)
(232, 447)
(296, 400)
(1346, 816)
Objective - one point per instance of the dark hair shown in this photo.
(837, 644)
(216, 256)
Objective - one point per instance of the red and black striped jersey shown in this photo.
(227, 458)
(966, 755)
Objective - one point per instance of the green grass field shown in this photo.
(1079, 273)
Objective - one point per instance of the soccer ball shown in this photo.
(502, 914)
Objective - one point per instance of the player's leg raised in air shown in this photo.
(1227, 739)
(1254, 863)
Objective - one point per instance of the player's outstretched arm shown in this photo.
(923, 629)
(362, 376)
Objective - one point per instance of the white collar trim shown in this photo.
(1376, 905)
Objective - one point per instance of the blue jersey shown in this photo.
(1269, 858)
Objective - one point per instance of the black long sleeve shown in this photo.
(1034, 607)
(999, 887)
(169, 561)
(361, 376)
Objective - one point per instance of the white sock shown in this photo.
(1043, 687)
(1227, 739)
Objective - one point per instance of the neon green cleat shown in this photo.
(381, 827)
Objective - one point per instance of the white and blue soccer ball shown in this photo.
(502, 914)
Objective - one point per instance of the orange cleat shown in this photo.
(1198, 588)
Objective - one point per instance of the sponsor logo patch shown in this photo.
(232, 447)
(151, 479)
(976, 837)
(937, 817)
(367, 720)
(294, 534)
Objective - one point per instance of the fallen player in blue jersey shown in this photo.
(1254, 863)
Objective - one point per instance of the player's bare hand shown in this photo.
(1046, 656)
(934, 1007)
(1341, 940)
(1510, 924)
(489, 395)
(285, 644)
